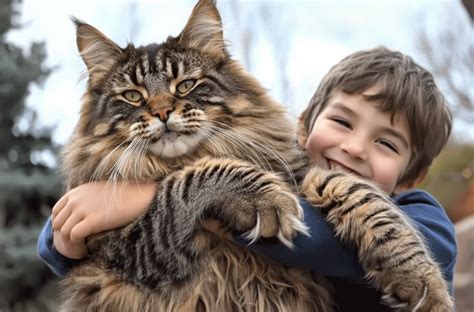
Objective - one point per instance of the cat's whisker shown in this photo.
(268, 150)
(253, 148)
(250, 153)
(141, 153)
(129, 159)
(238, 144)
(133, 154)
(100, 170)
(119, 169)
(246, 146)
(135, 159)
(217, 143)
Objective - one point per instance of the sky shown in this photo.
(295, 42)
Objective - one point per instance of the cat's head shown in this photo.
(171, 96)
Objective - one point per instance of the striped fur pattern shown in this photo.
(186, 115)
(391, 252)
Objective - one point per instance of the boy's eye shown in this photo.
(185, 86)
(133, 96)
(342, 122)
(389, 145)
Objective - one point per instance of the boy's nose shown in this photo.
(355, 149)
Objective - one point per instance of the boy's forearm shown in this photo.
(435, 227)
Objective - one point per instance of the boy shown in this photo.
(376, 114)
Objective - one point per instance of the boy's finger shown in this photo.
(60, 218)
(69, 225)
(80, 231)
(59, 206)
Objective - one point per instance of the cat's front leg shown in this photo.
(166, 245)
(242, 196)
(389, 248)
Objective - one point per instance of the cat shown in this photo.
(185, 114)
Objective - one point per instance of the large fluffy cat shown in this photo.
(186, 115)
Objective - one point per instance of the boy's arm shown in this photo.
(435, 226)
(89, 209)
(322, 253)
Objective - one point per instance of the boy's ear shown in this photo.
(410, 185)
(301, 134)
(421, 177)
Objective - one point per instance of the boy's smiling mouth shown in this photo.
(335, 165)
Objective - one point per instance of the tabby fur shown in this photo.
(219, 147)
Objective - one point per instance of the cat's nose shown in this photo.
(163, 113)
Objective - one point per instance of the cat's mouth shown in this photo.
(171, 144)
(169, 139)
(167, 135)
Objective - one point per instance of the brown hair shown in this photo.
(407, 89)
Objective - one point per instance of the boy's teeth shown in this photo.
(340, 167)
(337, 166)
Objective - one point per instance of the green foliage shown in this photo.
(451, 174)
(26, 284)
(17, 72)
(7, 15)
(28, 189)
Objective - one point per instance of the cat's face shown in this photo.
(169, 97)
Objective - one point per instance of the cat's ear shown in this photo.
(204, 30)
(98, 52)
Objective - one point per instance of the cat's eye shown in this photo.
(133, 95)
(185, 86)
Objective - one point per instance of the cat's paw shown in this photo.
(331, 188)
(246, 198)
(278, 213)
(423, 294)
(271, 211)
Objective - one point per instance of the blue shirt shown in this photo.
(322, 253)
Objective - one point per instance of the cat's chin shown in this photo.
(172, 146)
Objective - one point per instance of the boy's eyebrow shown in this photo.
(344, 108)
(396, 134)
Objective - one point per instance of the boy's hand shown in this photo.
(68, 249)
(95, 207)
(216, 227)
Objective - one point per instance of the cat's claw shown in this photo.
(425, 299)
(280, 215)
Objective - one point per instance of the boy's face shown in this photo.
(352, 134)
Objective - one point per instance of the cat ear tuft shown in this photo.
(203, 30)
(98, 52)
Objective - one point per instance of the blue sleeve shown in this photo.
(435, 226)
(59, 264)
(322, 253)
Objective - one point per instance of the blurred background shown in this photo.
(288, 45)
